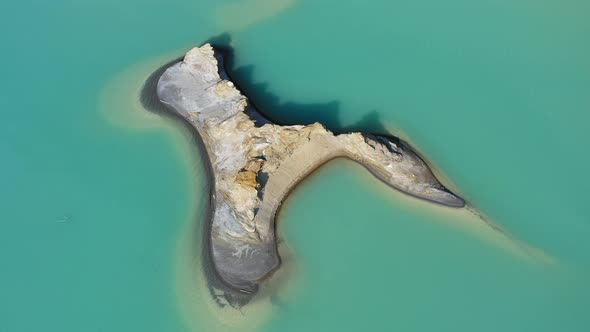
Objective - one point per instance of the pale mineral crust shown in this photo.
(255, 164)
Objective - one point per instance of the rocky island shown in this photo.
(254, 164)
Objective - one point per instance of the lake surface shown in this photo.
(102, 202)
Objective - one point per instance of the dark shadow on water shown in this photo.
(289, 113)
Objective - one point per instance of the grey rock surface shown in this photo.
(256, 163)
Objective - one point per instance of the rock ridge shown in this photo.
(256, 163)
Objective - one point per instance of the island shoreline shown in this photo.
(238, 296)
(150, 101)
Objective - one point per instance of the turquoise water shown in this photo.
(101, 201)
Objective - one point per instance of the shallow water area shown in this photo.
(103, 201)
